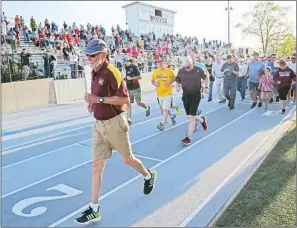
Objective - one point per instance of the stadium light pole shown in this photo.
(228, 9)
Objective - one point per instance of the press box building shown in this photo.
(145, 18)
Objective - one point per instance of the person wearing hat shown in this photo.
(284, 77)
(162, 79)
(134, 89)
(255, 68)
(189, 78)
(231, 72)
(110, 130)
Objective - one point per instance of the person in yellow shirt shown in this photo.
(162, 79)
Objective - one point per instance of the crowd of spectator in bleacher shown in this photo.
(64, 44)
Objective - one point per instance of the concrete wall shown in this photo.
(70, 90)
(23, 95)
(26, 94)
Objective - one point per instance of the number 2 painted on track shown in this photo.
(21, 205)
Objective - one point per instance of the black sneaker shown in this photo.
(173, 119)
(260, 105)
(254, 105)
(271, 100)
(283, 111)
(148, 111)
(277, 99)
(88, 216)
(150, 184)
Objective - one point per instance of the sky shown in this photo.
(194, 18)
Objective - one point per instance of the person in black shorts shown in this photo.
(285, 77)
(189, 78)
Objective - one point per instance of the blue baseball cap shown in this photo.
(95, 46)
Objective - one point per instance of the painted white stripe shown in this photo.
(63, 132)
(26, 118)
(77, 166)
(31, 158)
(228, 178)
(154, 167)
(148, 158)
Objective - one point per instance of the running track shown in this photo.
(46, 165)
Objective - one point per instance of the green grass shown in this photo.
(269, 197)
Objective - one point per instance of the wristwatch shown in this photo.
(101, 100)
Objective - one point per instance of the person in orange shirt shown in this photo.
(162, 79)
(17, 21)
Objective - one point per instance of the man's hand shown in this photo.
(90, 108)
(278, 82)
(157, 84)
(294, 83)
(206, 90)
(129, 78)
(91, 98)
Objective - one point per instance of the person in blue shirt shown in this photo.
(273, 68)
(255, 68)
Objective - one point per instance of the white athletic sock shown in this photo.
(200, 119)
(94, 206)
(148, 176)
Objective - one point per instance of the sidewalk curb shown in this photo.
(283, 129)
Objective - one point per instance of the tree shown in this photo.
(267, 21)
(288, 45)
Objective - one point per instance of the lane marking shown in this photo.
(18, 114)
(63, 132)
(148, 158)
(45, 120)
(77, 166)
(227, 179)
(34, 117)
(154, 167)
(81, 142)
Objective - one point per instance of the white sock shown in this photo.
(148, 176)
(200, 119)
(94, 206)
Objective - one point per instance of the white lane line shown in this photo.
(148, 158)
(46, 137)
(41, 112)
(154, 167)
(34, 117)
(45, 179)
(80, 142)
(45, 120)
(67, 170)
(228, 178)
(63, 132)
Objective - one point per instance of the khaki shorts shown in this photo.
(108, 135)
(135, 94)
(165, 102)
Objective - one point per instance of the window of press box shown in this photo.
(158, 13)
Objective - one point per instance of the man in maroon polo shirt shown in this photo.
(111, 130)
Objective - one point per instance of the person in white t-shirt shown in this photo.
(241, 80)
(219, 78)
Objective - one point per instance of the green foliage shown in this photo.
(288, 45)
(266, 20)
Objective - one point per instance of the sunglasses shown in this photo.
(92, 56)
